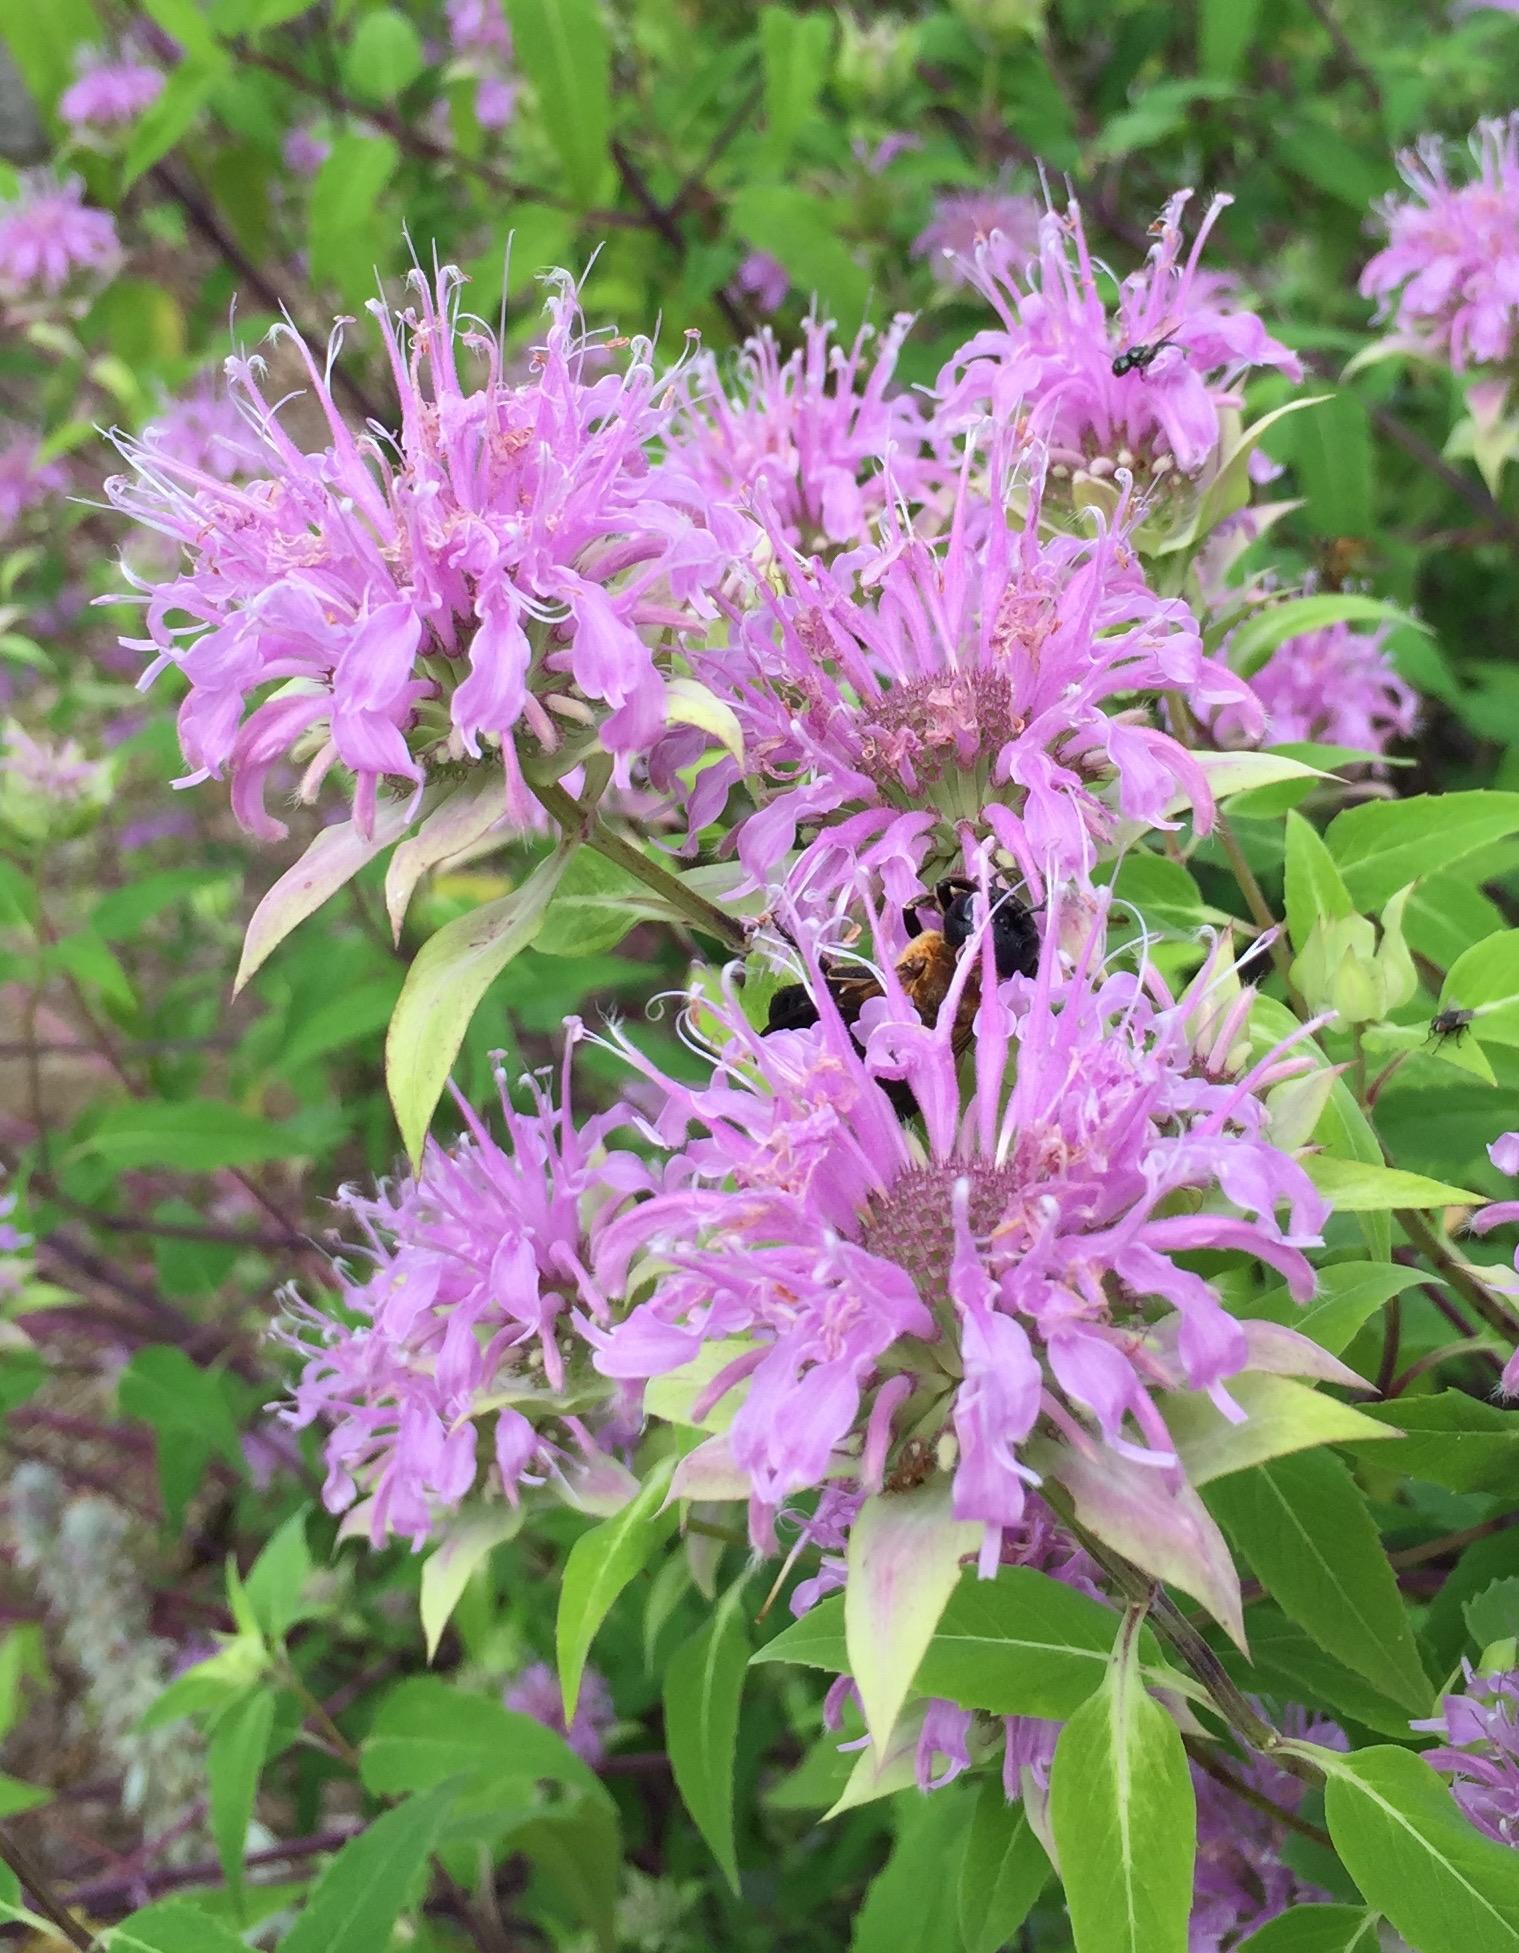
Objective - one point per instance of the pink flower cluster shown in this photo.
(109, 91)
(1142, 388)
(1448, 277)
(1336, 686)
(380, 603)
(50, 240)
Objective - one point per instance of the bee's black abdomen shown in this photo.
(1015, 933)
(791, 1009)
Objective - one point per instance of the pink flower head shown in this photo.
(479, 27)
(1449, 275)
(502, 566)
(1241, 1879)
(818, 438)
(764, 279)
(1504, 1154)
(1336, 686)
(1015, 1260)
(460, 1347)
(16, 1266)
(984, 682)
(24, 480)
(109, 90)
(998, 227)
(305, 151)
(535, 1692)
(49, 238)
(1050, 359)
(201, 429)
(1481, 1751)
(52, 770)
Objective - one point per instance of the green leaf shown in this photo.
(909, 1906)
(704, 1683)
(429, 1731)
(1314, 887)
(1493, 1614)
(600, 1565)
(815, 1641)
(187, 1136)
(595, 905)
(1252, 643)
(1484, 979)
(576, 1852)
(1358, 1187)
(452, 972)
(1286, 1662)
(347, 236)
(192, 1416)
(360, 1895)
(1382, 845)
(1452, 1440)
(189, 87)
(332, 860)
(1019, 1645)
(563, 48)
(904, 1558)
(446, 1572)
(234, 1762)
(1416, 1857)
(796, 228)
(1316, 1929)
(1281, 1415)
(1302, 1524)
(1349, 1295)
(1124, 1817)
(794, 55)
(171, 1926)
(384, 57)
(16, 1796)
(187, 22)
(43, 42)
(1004, 1870)
(1330, 451)
(277, 1576)
(1225, 31)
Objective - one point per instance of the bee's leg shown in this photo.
(946, 890)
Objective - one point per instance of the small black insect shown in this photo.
(1450, 1023)
(1138, 359)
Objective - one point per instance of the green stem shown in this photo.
(576, 819)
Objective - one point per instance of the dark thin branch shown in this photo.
(1436, 1549)
(1209, 1761)
(415, 142)
(660, 219)
(205, 220)
(731, 130)
(1344, 47)
(104, 1895)
(46, 1901)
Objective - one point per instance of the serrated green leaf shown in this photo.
(1484, 979)
(1415, 1855)
(1302, 1524)
(704, 1683)
(1003, 1872)
(600, 1565)
(1382, 845)
(234, 1763)
(1358, 1186)
(171, 1926)
(1281, 1415)
(361, 1894)
(1019, 1645)
(1124, 1817)
(904, 1556)
(562, 46)
(384, 56)
(451, 973)
(1316, 1929)
(277, 1576)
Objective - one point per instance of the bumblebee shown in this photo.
(1139, 359)
(926, 969)
(1450, 1023)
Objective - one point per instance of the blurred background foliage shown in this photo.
(721, 164)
